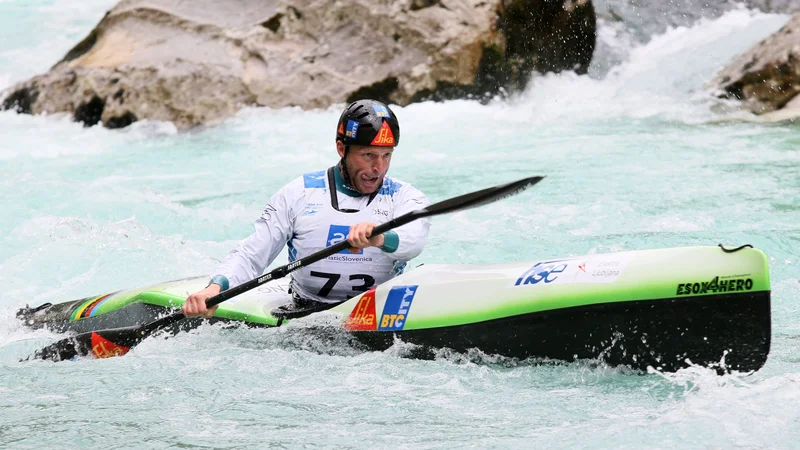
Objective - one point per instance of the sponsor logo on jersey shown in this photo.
(338, 233)
(362, 318)
(390, 187)
(395, 310)
(352, 129)
(266, 214)
(314, 180)
(311, 209)
(716, 286)
(384, 138)
(381, 111)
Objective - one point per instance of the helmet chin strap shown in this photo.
(348, 182)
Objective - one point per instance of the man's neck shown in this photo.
(340, 184)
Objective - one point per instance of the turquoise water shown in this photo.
(635, 158)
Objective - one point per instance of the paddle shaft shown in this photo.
(459, 203)
(282, 271)
(129, 336)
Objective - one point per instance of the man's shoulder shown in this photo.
(311, 180)
(298, 188)
(392, 186)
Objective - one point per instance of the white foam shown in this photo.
(663, 77)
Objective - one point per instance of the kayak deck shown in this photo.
(662, 308)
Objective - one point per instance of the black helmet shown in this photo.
(368, 122)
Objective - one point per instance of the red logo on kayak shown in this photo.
(363, 316)
(582, 267)
(103, 348)
(385, 138)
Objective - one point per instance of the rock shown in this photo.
(774, 6)
(789, 113)
(766, 77)
(199, 62)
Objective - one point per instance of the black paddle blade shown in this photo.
(98, 344)
(482, 197)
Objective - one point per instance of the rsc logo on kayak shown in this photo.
(338, 233)
(546, 272)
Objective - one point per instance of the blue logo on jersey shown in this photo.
(380, 111)
(338, 233)
(389, 187)
(352, 129)
(395, 311)
(314, 180)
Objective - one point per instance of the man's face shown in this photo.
(367, 166)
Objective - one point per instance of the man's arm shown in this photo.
(249, 259)
(272, 230)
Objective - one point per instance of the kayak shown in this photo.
(662, 308)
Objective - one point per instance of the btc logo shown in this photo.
(395, 311)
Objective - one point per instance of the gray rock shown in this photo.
(198, 62)
(775, 6)
(766, 77)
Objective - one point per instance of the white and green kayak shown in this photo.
(664, 308)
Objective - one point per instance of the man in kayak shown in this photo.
(321, 209)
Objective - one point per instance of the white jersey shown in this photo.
(309, 214)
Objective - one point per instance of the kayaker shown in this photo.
(321, 209)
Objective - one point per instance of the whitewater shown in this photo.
(637, 155)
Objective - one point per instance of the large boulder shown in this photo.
(197, 62)
(767, 77)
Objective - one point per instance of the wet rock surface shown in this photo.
(199, 62)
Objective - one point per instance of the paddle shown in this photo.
(117, 341)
